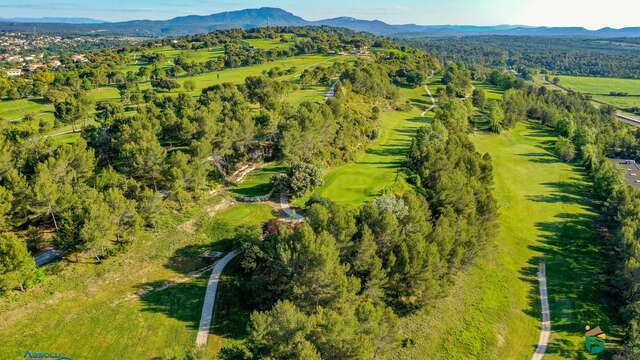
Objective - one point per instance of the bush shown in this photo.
(565, 149)
(17, 267)
(189, 85)
(300, 179)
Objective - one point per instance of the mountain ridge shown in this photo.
(265, 16)
(53, 20)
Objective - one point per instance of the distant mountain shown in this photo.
(252, 18)
(52, 20)
(194, 24)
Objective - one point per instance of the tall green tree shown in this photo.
(17, 267)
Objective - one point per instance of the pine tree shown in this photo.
(17, 267)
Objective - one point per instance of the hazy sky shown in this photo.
(587, 13)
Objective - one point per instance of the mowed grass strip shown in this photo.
(600, 88)
(492, 310)
(140, 305)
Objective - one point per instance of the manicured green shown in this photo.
(378, 168)
(600, 88)
(199, 55)
(493, 93)
(15, 110)
(142, 305)
(493, 311)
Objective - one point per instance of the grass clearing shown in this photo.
(312, 94)
(258, 182)
(266, 44)
(600, 88)
(492, 311)
(143, 304)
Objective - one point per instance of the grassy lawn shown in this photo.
(313, 94)
(199, 55)
(492, 311)
(15, 110)
(379, 167)
(258, 182)
(266, 44)
(600, 88)
(145, 304)
(493, 92)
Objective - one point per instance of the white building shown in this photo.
(14, 72)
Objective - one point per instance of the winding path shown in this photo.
(210, 298)
(545, 329)
(433, 101)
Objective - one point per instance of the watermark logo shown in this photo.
(44, 355)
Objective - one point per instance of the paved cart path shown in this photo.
(210, 298)
(545, 329)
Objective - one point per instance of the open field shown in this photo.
(142, 305)
(600, 88)
(15, 110)
(492, 311)
(266, 44)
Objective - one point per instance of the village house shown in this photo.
(79, 58)
(14, 72)
(33, 67)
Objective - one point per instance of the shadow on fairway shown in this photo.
(182, 297)
(572, 249)
(541, 158)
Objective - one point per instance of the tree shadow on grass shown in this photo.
(566, 192)
(256, 190)
(388, 150)
(182, 296)
(541, 158)
(576, 270)
(420, 120)
(424, 102)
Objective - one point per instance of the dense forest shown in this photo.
(569, 56)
